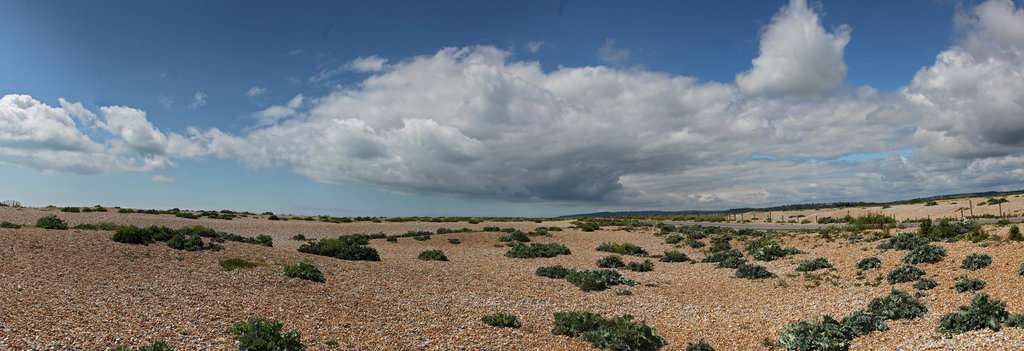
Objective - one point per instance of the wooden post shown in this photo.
(1000, 209)
(971, 203)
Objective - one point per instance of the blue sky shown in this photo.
(506, 108)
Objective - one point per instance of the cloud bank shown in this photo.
(473, 122)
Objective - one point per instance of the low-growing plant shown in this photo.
(179, 242)
(51, 222)
(752, 271)
(722, 256)
(828, 334)
(623, 292)
(299, 237)
(345, 247)
(597, 280)
(869, 263)
(975, 262)
(520, 250)
(556, 272)
(904, 273)
(732, 262)
(6, 224)
(904, 241)
(1015, 233)
(611, 261)
(674, 256)
(622, 249)
(645, 266)
(433, 255)
(619, 333)
(588, 226)
(501, 320)
(897, 305)
(515, 236)
(155, 346)
(965, 284)
(813, 265)
(925, 284)
(261, 334)
(673, 239)
(700, 345)
(454, 241)
(238, 263)
(1020, 271)
(861, 322)
(303, 270)
(982, 313)
(925, 254)
(765, 249)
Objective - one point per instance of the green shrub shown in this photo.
(904, 273)
(813, 265)
(299, 237)
(454, 241)
(699, 244)
(537, 250)
(975, 262)
(645, 266)
(752, 271)
(51, 222)
(622, 333)
(557, 272)
(897, 305)
(722, 256)
(588, 226)
(982, 313)
(155, 346)
(622, 249)
(619, 333)
(274, 218)
(433, 255)
(925, 284)
(674, 256)
(828, 334)
(611, 261)
(236, 263)
(765, 249)
(178, 242)
(259, 334)
(904, 241)
(6, 224)
(345, 247)
(501, 320)
(965, 284)
(1015, 233)
(673, 239)
(597, 280)
(869, 263)
(421, 237)
(623, 292)
(861, 322)
(701, 345)
(925, 254)
(515, 236)
(1020, 271)
(732, 262)
(304, 270)
(1015, 321)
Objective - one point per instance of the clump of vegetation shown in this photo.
(904, 241)
(51, 222)
(501, 320)
(623, 292)
(6, 224)
(975, 262)
(732, 262)
(619, 333)
(951, 229)
(520, 250)
(588, 226)
(261, 334)
(239, 263)
(897, 305)
(869, 263)
(925, 254)
(1015, 233)
(299, 237)
(766, 249)
(925, 284)
(622, 249)
(345, 247)
(454, 241)
(597, 280)
(433, 255)
(673, 239)
(556, 272)
(904, 273)
(645, 266)
(193, 243)
(155, 346)
(982, 313)
(828, 334)
(182, 239)
(965, 284)
(701, 345)
(304, 270)
(515, 236)
(813, 265)
(722, 256)
(611, 261)
(674, 256)
(861, 322)
(752, 271)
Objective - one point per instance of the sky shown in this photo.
(507, 108)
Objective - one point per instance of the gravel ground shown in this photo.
(70, 289)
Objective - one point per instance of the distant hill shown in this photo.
(796, 206)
